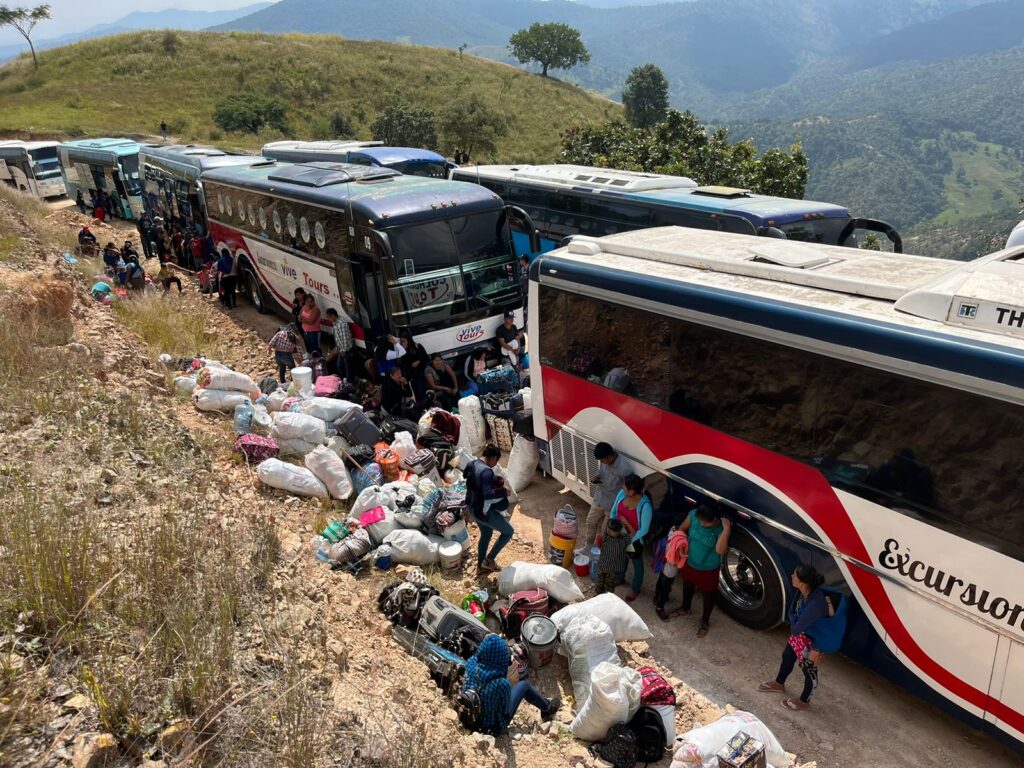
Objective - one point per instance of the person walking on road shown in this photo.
(483, 486)
(611, 473)
(226, 276)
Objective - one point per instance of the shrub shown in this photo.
(248, 112)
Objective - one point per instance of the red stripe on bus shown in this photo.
(665, 433)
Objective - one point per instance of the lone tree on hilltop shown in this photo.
(553, 46)
(645, 96)
(24, 20)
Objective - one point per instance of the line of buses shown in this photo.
(859, 410)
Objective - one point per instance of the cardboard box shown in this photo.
(742, 751)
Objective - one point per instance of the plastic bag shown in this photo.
(217, 399)
(292, 426)
(556, 581)
(327, 408)
(425, 486)
(614, 698)
(411, 547)
(403, 445)
(372, 497)
(472, 416)
(276, 399)
(586, 642)
(232, 381)
(288, 477)
(262, 422)
(330, 470)
(294, 447)
(522, 463)
(384, 524)
(352, 547)
(184, 385)
(624, 622)
(668, 718)
(700, 746)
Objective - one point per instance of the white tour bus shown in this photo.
(32, 167)
(859, 411)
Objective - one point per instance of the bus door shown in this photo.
(122, 194)
(368, 286)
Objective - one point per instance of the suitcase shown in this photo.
(392, 425)
(501, 431)
(439, 619)
(446, 668)
(357, 429)
(505, 377)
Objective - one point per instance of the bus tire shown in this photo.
(254, 291)
(750, 586)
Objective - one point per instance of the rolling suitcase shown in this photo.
(357, 429)
(503, 377)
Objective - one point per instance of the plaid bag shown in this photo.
(256, 448)
(655, 690)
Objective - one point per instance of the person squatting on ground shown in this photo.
(708, 535)
(486, 682)
(167, 278)
(487, 500)
(807, 616)
(610, 475)
(284, 345)
(633, 508)
(613, 558)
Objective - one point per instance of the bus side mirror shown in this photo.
(531, 229)
(772, 232)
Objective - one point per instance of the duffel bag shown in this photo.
(256, 448)
(504, 377)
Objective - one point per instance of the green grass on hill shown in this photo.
(128, 84)
(989, 184)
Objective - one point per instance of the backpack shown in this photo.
(619, 747)
(469, 707)
(649, 733)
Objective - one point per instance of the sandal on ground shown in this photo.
(795, 704)
(662, 613)
(702, 629)
(632, 596)
(771, 686)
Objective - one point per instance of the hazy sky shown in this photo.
(74, 15)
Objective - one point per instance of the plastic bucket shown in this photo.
(303, 378)
(540, 636)
(595, 555)
(451, 555)
(458, 532)
(582, 564)
(560, 550)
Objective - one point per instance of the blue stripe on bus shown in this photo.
(979, 359)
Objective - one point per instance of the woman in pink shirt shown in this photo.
(309, 317)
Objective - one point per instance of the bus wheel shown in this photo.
(254, 291)
(750, 585)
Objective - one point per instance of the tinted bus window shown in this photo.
(947, 456)
(423, 248)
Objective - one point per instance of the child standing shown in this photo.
(284, 345)
(613, 557)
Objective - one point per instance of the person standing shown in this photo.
(344, 343)
(808, 616)
(284, 344)
(226, 276)
(524, 280)
(80, 202)
(388, 353)
(482, 486)
(633, 508)
(611, 472)
(195, 249)
(145, 227)
(309, 318)
(613, 559)
(708, 535)
(163, 129)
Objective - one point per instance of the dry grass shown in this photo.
(166, 328)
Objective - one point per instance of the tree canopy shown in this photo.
(553, 46)
(403, 125)
(469, 124)
(645, 96)
(248, 112)
(680, 145)
(24, 20)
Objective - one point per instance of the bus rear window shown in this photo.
(825, 231)
(427, 168)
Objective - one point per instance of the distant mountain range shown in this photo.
(173, 18)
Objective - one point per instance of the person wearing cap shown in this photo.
(507, 337)
(612, 472)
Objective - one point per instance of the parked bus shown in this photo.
(104, 165)
(859, 411)
(32, 167)
(567, 200)
(171, 180)
(407, 160)
(389, 252)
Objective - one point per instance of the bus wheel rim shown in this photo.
(254, 290)
(741, 581)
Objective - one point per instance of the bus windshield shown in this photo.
(129, 165)
(429, 168)
(447, 268)
(45, 164)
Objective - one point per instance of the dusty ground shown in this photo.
(329, 623)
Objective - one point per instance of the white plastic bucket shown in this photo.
(451, 555)
(303, 378)
(458, 532)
